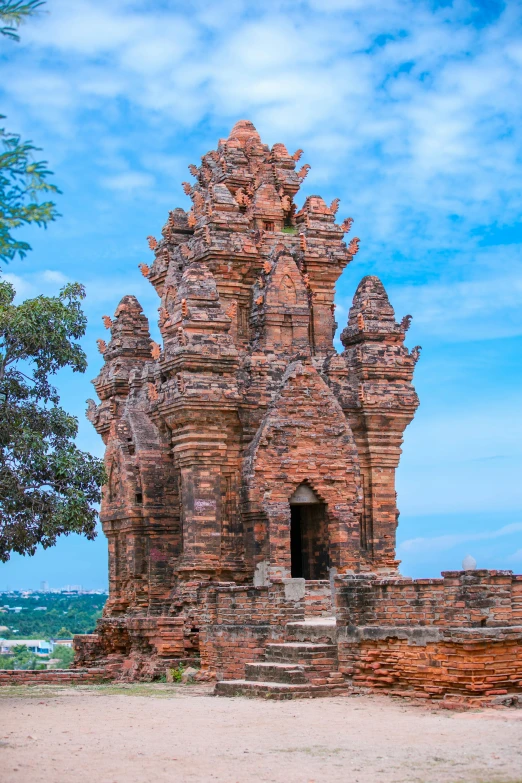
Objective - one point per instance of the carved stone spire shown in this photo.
(371, 315)
(128, 350)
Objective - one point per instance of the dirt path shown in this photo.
(162, 733)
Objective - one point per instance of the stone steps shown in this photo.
(276, 690)
(263, 671)
(303, 667)
(320, 629)
(314, 654)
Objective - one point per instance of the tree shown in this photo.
(21, 658)
(22, 180)
(64, 655)
(14, 12)
(48, 487)
(64, 633)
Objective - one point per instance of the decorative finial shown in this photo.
(153, 243)
(347, 224)
(353, 247)
(144, 269)
(107, 321)
(334, 206)
(155, 350)
(406, 323)
(102, 346)
(469, 563)
(303, 171)
(415, 353)
(297, 155)
(91, 410)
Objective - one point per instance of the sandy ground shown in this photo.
(133, 734)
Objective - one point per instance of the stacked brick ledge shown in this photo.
(96, 675)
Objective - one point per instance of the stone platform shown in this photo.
(304, 666)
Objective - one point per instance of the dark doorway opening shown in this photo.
(308, 541)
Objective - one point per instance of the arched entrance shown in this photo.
(308, 535)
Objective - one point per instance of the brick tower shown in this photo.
(245, 452)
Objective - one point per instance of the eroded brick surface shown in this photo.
(250, 465)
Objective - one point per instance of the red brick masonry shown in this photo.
(251, 466)
(55, 676)
(460, 635)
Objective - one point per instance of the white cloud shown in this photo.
(53, 276)
(129, 181)
(34, 283)
(24, 288)
(443, 543)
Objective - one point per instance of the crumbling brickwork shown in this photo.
(458, 637)
(250, 507)
(246, 402)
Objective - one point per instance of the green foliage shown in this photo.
(78, 613)
(48, 487)
(22, 179)
(13, 13)
(64, 656)
(177, 673)
(21, 658)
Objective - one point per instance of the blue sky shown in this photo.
(409, 111)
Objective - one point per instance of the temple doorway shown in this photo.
(308, 535)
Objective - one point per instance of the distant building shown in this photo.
(37, 646)
(62, 643)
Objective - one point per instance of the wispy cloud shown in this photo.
(129, 181)
(407, 110)
(438, 544)
(412, 101)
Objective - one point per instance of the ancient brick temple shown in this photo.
(251, 467)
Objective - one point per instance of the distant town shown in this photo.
(66, 590)
(37, 626)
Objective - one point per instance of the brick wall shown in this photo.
(54, 676)
(231, 604)
(242, 621)
(476, 663)
(460, 599)
(318, 598)
(460, 635)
